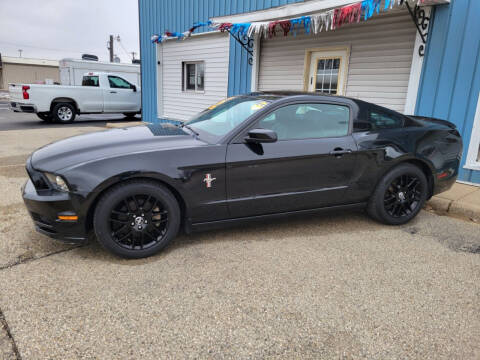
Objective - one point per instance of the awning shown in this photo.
(297, 9)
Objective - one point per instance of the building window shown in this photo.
(193, 76)
(327, 70)
(326, 79)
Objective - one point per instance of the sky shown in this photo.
(57, 29)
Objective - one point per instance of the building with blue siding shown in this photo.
(380, 60)
(450, 83)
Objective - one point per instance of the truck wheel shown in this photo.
(45, 116)
(64, 113)
(130, 115)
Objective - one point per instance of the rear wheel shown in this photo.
(64, 113)
(45, 116)
(399, 196)
(136, 219)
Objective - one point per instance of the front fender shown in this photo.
(182, 170)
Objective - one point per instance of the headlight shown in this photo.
(57, 181)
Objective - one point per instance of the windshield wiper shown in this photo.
(183, 125)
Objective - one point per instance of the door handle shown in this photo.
(338, 152)
(113, 92)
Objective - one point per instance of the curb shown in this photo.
(457, 209)
(112, 125)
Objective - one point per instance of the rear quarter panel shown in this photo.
(378, 152)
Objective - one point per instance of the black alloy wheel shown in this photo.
(403, 196)
(399, 195)
(136, 219)
(139, 222)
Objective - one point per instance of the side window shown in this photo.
(384, 120)
(118, 83)
(90, 81)
(307, 121)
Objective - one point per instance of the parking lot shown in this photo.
(326, 286)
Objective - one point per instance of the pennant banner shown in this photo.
(327, 20)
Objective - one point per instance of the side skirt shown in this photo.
(202, 226)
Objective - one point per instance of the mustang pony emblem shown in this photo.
(208, 179)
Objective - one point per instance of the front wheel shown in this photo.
(136, 219)
(64, 113)
(399, 196)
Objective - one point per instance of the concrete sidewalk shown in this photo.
(461, 201)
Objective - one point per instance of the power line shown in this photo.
(123, 48)
(41, 47)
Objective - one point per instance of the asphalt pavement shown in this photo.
(10, 120)
(330, 286)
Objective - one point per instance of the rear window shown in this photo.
(90, 81)
(380, 119)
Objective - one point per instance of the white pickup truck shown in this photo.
(99, 93)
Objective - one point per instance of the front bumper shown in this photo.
(44, 210)
(22, 107)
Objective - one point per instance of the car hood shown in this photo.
(110, 143)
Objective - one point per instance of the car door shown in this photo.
(310, 165)
(90, 96)
(120, 95)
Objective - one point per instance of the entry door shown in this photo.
(120, 97)
(328, 71)
(310, 166)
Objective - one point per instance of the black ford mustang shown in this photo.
(249, 157)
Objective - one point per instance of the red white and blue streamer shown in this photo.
(316, 23)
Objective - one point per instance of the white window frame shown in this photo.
(185, 78)
(330, 52)
(473, 163)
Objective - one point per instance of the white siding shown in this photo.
(380, 58)
(213, 50)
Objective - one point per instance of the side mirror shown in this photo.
(134, 88)
(257, 136)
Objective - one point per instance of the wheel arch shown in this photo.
(427, 170)
(64, 100)
(112, 182)
(423, 165)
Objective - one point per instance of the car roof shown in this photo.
(277, 95)
(281, 94)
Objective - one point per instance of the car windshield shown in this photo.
(221, 118)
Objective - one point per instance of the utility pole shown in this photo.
(133, 55)
(110, 47)
(20, 52)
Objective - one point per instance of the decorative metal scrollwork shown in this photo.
(421, 21)
(246, 42)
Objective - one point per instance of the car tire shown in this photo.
(64, 113)
(45, 116)
(136, 219)
(399, 195)
(130, 115)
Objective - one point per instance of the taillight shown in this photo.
(25, 89)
